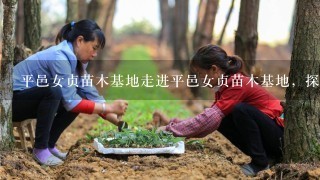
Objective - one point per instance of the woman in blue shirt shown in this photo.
(51, 87)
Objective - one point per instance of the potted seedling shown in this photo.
(140, 141)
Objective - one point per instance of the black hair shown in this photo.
(86, 28)
(210, 55)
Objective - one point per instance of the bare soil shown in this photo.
(218, 159)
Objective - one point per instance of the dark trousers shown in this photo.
(254, 133)
(45, 105)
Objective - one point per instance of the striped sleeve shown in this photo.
(199, 126)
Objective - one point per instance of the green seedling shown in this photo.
(86, 150)
(197, 144)
(140, 138)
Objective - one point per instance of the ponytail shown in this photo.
(63, 33)
(235, 65)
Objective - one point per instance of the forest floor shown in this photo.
(217, 159)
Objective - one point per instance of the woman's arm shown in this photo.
(118, 107)
(199, 126)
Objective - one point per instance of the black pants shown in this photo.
(45, 105)
(254, 133)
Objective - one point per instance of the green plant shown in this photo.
(138, 139)
(197, 144)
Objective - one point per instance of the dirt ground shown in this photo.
(218, 159)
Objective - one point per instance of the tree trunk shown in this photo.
(72, 11)
(82, 9)
(105, 21)
(32, 26)
(1, 15)
(302, 132)
(106, 13)
(1, 23)
(200, 17)
(226, 23)
(180, 30)
(6, 136)
(246, 39)
(93, 9)
(204, 31)
(20, 23)
(201, 13)
(164, 37)
(290, 42)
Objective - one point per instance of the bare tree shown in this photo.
(6, 136)
(20, 23)
(32, 26)
(1, 15)
(72, 10)
(106, 20)
(294, 17)
(82, 9)
(204, 30)
(103, 12)
(203, 34)
(302, 128)
(201, 13)
(226, 23)
(246, 39)
(93, 9)
(180, 30)
(166, 19)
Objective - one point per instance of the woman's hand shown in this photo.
(116, 120)
(162, 128)
(159, 119)
(118, 107)
(111, 117)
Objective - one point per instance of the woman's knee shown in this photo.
(240, 108)
(55, 93)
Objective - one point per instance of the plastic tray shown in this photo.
(179, 148)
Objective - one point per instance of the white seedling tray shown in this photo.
(178, 149)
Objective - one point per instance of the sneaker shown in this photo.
(252, 170)
(49, 160)
(58, 154)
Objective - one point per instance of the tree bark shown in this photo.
(164, 36)
(226, 23)
(6, 136)
(302, 129)
(105, 21)
(32, 26)
(1, 12)
(72, 11)
(246, 39)
(20, 23)
(82, 9)
(201, 13)
(1, 23)
(204, 32)
(93, 9)
(180, 30)
(290, 42)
